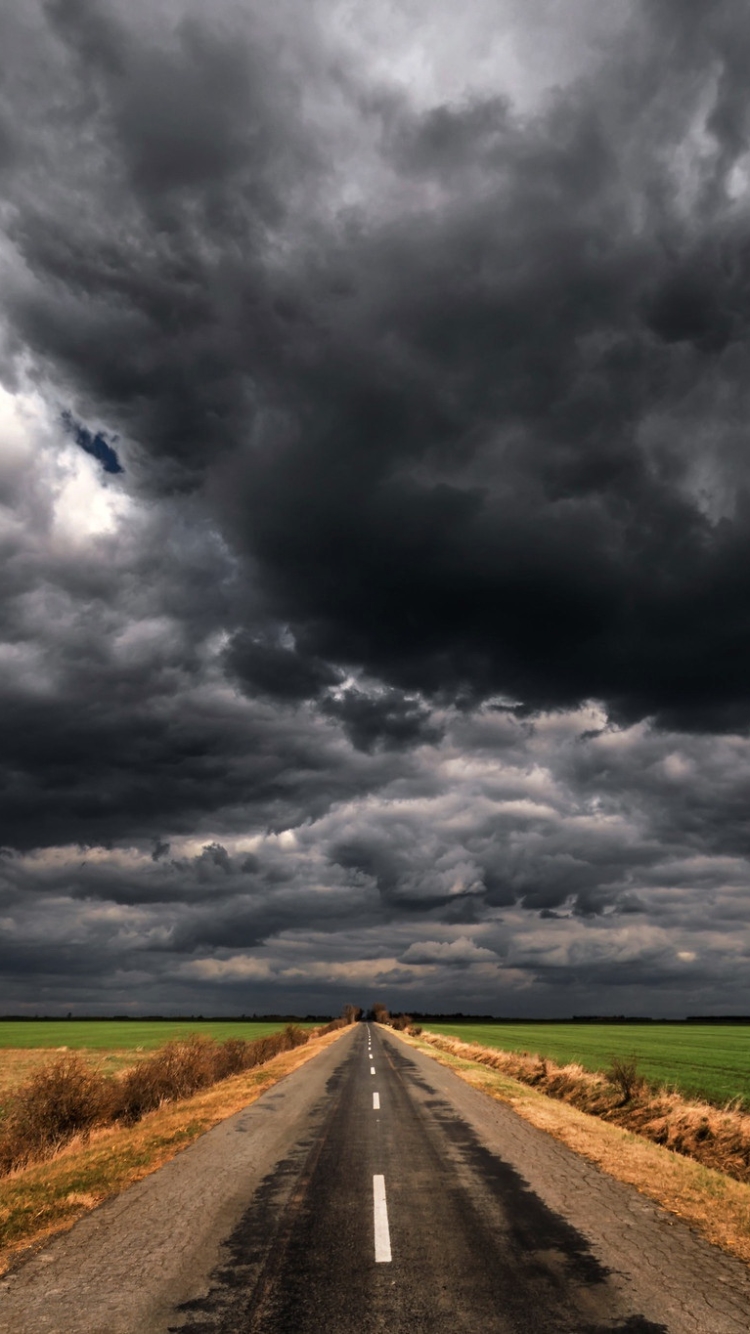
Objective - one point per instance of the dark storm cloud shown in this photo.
(277, 671)
(425, 401)
(388, 718)
(477, 476)
(459, 441)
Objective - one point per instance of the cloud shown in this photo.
(276, 670)
(461, 951)
(386, 718)
(416, 628)
(240, 968)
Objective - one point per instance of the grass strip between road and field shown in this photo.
(704, 1062)
(38, 1201)
(714, 1204)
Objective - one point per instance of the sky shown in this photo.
(375, 506)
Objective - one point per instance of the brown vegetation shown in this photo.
(716, 1137)
(623, 1075)
(66, 1097)
(403, 1023)
(46, 1197)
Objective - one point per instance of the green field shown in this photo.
(709, 1061)
(114, 1034)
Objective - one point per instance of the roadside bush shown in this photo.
(63, 1099)
(295, 1036)
(231, 1057)
(66, 1098)
(623, 1073)
(401, 1022)
(333, 1024)
(176, 1070)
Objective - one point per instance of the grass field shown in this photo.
(109, 1045)
(709, 1061)
(117, 1034)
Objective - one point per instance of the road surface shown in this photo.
(370, 1191)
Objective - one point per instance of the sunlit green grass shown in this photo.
(109, 1034)
(701, 1060)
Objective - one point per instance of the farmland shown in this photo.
(117, 1034)
(110, 1045)
(710, 1061)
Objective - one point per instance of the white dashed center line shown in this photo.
(376, 1102)
(372, 1069)
(382, 1235)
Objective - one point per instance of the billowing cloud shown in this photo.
(375, 530)
(460, 951)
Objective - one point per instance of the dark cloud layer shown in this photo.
(412, 521)
(459, 440)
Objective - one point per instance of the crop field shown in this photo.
(116, 1034)
(710, 1061)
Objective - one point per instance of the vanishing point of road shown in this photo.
(372, 1190)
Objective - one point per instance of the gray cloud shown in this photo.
(409, 648)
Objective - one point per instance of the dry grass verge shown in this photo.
(68, 1097)
(709, 1200)
(716, 1137)
(40, 1200)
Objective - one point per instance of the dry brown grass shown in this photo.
(18, 1064)
(60, 1100)
(68, 1096)
(716, 1137)
(707, 1198)
(40, 1200)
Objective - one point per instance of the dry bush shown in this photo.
(623, 1073)
(401, 1022)
(64, 1098)
(176, 1070)
(263, 1049)
(333, 1025)
(231, 1058)
(414, 1030)
(182, 1067)
(294, 1036)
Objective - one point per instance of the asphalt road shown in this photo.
(374, 1191)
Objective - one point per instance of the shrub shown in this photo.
(231, 1057)
(400, 1022)
(176, 1070)
(333, 1025)
(623, 1073)
(295, 1036)
(63, 1099)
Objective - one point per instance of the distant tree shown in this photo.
(380, 1013)
(351, 1013)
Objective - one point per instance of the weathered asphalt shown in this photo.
(266, 1225)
